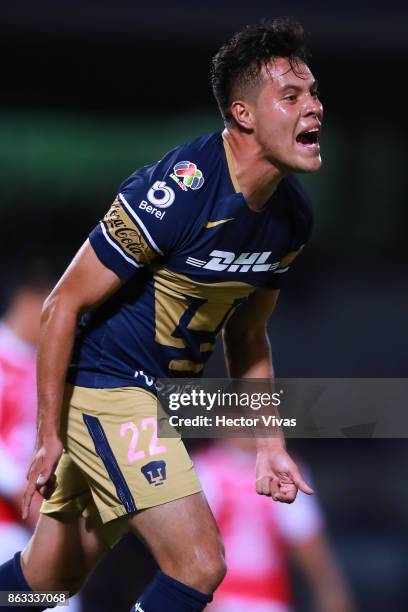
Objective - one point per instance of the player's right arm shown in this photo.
(86, 283)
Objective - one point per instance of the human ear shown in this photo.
(242, 113)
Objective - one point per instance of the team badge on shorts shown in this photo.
(155, 472)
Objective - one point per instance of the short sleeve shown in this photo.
(119, 240)
(142, 223)
(300, 521)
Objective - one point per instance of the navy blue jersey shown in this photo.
(191, 251)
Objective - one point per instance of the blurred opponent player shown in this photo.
(19, 332)
(193, 244)
(261, 537)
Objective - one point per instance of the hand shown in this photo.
(41, 473)
(278, 476)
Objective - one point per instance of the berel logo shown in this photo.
(161, 195)
(151, 210)
(229, 261)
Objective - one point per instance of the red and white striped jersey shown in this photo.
(255, 530)
(17, 416)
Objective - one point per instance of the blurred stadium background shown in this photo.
(93, 90)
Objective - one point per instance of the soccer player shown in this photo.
(19, 331)
(194, 244)
(258, 550)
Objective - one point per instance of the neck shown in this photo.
(257, 176)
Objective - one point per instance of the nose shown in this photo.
(314, 107)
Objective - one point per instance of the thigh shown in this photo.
(112, 437)
(61, 554)
(179, 533)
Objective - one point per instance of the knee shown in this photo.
(217, 568)
(209, 569)
(60, 577)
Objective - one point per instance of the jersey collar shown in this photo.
(230, 163)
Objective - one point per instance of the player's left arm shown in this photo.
(248, 355)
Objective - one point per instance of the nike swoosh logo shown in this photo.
(214, 223)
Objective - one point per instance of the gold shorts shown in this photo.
(113, 462)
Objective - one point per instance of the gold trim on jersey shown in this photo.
(123, 230)
(289, 258)
(230, 162)
(180, 285)
(207, 346)
(185, 365)
(211, 224)
(210, 305)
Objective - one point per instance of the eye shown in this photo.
(291, 97)
(315, 93)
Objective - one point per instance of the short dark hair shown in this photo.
(237, 66)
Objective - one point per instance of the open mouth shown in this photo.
(309, 137)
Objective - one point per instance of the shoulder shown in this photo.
(186, 168)
(176, 190)
(300, 521)
(157, 206)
